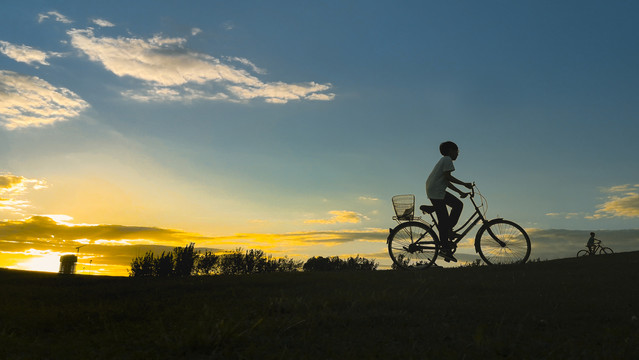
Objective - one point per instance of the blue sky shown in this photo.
(288, 126)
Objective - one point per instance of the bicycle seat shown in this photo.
(427, 209)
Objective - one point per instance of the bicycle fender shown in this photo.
(391, 232)
(481, 231)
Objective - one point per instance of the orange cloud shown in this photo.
(624, 202)
(12, 187)
(339, 216)
(44, 229)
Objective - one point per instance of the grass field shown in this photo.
(563, 309)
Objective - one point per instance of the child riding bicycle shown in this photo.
(438, 181)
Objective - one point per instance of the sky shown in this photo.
(287, 126)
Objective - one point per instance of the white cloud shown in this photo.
(24, 53)
(195, 31)
(56, 15)
(368, 198)
(30, 101)
(248, 63)
(162, 94)
(164, 63)
(103, 23)
(228, 25)
(320, 97)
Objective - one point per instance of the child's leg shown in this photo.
(456, 206)
(443, 221)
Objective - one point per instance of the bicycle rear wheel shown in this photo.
(582, 253)
(502, 242)
(413, 245)
(605, 251)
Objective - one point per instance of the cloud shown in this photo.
(303, 238)
(56, 15)
(25, 54)
(12, 187)
(195, 31)
(14, 184)
(103, 23)
(30, 101)
(368, 198)
(164, 63)
(565, 215)
(183, 94)
(247, 63)
(44, 230)
(228, 25)
(623, 201)
(339, 217)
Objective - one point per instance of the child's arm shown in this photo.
(453, 180)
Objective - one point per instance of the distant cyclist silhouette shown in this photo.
(591, 242)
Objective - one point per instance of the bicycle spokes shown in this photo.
(503, 242)
(412, 245)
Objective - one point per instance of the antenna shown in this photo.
(78, 251)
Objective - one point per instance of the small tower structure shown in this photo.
(67, 264)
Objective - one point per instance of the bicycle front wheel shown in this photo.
(582, 253)
(413, 245)
(605, 251)
(502, 242)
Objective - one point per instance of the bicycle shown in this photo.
(414, 244)
(597, 249)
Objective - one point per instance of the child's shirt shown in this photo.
(437, 183)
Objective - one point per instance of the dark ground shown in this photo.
(584, 308)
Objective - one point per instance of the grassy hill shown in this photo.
(570, 308)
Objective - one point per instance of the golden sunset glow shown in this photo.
(214, 125)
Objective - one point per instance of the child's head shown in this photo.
(449, 148)
(592, 234)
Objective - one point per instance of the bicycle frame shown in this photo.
(596, 247)
(472, 221)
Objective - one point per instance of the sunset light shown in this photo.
(288, 127)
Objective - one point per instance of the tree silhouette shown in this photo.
(184, 260)
(207, 264)
(164, 265)
(143, 266)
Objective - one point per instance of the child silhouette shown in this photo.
(438, 181)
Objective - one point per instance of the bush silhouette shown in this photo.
(186, 261)
(334, 263)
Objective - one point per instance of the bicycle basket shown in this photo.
(404, 206)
